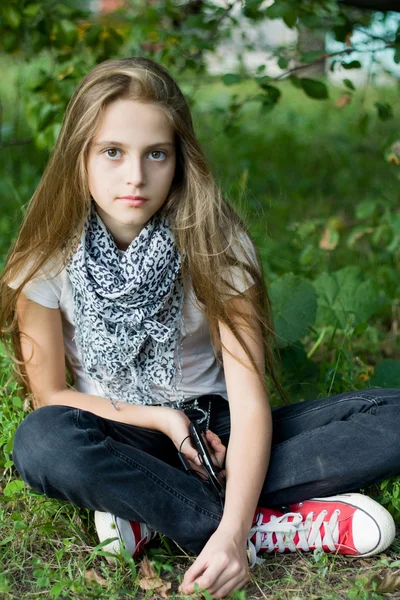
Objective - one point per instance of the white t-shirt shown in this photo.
(202, 374)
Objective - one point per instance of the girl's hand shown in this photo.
(217, 451)
(220, 568)
(176, 427)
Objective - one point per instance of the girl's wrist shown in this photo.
(163, 415)
(238, 532)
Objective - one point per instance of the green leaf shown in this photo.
(271, 96)
(14, 487)
(314, 88)
(294, 307)
(9, 41)
(46, 139)
(290, 18)
(365, 209)
(387, 374)
(251, 10)
(11, 16)
(65, 33)
(296, 81)
(283, 62)
(6, 540)
(283, 10)
(93, 34)
(32, 10)
(344, 294)
(231, 78)
(359, 329)
(36, 79)
(311, 55)
(300, 371)
(385, 110)
(57, 589)
(17, 402)
(349, 84)
(354, 64)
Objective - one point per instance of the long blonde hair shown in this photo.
(204, 225)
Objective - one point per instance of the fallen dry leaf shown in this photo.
(146, 569)
(150, 581)
(363, 562)
(329, 239)
(156, 584)
(92, 575)
(343, 100)
(386, 583)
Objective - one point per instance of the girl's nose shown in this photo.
(135, 173)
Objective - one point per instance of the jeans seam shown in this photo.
(373, 401)
(160, 482)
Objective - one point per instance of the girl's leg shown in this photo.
(129, 471)
(333, 445)
(330, 445)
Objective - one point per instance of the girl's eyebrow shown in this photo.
(122, 145)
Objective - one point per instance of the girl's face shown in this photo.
(132, 154)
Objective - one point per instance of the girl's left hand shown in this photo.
(220, 568)
(217, 451)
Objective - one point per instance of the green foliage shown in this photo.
(71, 38)
(386, 374)
(295, 305)
(312, 87)
(342, 294)
(389, 496)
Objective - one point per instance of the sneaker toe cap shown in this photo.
(373, 531)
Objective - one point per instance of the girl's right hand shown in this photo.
(176, 427)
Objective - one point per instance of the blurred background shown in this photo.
(296, 106)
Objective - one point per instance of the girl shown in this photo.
(135, 302)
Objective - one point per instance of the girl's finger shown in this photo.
(228, 588)
(214, 441)
(212, 436)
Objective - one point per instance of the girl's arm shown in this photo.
(251, 428)
(43, 355)
(221, 567)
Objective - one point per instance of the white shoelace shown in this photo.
(309, 534)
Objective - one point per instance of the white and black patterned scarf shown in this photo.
(129, 312)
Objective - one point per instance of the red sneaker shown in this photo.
(133, 534)
(350, 524)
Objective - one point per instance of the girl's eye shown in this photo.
(158, 152)
(112, 153)
(113, 150)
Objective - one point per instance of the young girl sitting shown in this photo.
(135, 302)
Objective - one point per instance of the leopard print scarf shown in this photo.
(129, 312)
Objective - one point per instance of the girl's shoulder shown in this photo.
(238, 275)
(46, 285)
(243, 247)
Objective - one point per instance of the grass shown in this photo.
(49, 549)
(289, 172)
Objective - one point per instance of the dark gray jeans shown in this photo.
(320, 448)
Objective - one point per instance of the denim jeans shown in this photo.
(320, 448)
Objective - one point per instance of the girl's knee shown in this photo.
(38, 438)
